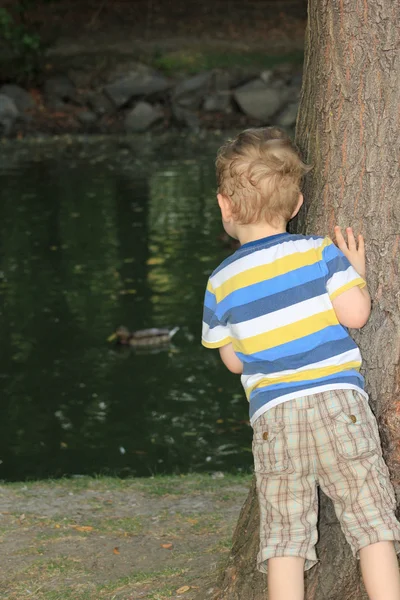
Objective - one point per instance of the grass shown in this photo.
(95, 546)
(186, 485)
(159, 485)
(191, 61)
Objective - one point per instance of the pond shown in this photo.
(94, 234)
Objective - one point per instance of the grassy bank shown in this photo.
(91, 538)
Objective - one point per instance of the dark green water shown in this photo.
(94, 235)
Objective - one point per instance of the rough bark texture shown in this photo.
(349, 129)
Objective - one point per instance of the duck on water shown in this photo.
(143, 337)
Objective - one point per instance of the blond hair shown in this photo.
(260, 171)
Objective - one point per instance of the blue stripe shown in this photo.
(263, 244)
(336, 265)
(262, 396)
(208, 315)
(304, 344)
(330, 252)
(265, 289)
(263, 306)
(285, 236)
(277, 237)
(210, 300)
(296, 361)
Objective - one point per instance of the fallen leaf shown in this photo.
(82, 527)
(57, 526)
(155, 261)
(116, 550)
(166, 546)
(183, 589)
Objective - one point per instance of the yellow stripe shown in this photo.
(281, 266)
(286, 333)
(210, 287)
(305, 375)
(219, 344)
(359, 281)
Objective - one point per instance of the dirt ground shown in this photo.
(92, 538)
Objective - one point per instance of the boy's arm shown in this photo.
(230, 360)
(353, 306)
(216, 334)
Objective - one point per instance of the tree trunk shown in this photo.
(349, 129)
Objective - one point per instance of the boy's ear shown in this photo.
(299, 205)
(225, 206)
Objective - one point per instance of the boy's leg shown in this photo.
(283, 450)
(286, 578)
(380, 571)
(353, 473)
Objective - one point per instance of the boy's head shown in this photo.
(259, 174)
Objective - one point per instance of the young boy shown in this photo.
(278, 310)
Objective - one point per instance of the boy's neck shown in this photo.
(257, 231)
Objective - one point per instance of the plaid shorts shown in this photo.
(332, 440)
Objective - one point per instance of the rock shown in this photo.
(186, 117)
(60, 87)
(82, 78)
(288, 116)
(22, 99)
(100, 103)
(258, 101)
(284, 71)
(222, 81)
(133, 85)
(218, 102)
(58, 106)
(217, 475)
(266, 76)
(297, 79)
(87, 117)
(190, 92)
(9, 113)
(142, 117)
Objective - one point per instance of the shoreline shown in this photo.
(87, 538)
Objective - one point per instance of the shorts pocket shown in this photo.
(270, 450)
(352, 434)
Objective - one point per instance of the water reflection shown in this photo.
(93, 235)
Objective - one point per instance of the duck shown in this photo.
(143, 337)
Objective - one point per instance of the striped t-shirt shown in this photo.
(272, 299)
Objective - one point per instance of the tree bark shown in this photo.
(349, 129)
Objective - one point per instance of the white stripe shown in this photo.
(263, 257)
(279, 318)
(340, 279)
(339, 359)
(216, 334)
(301, 393)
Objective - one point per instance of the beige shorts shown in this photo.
(329, 439)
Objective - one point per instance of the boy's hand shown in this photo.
(355, 255)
